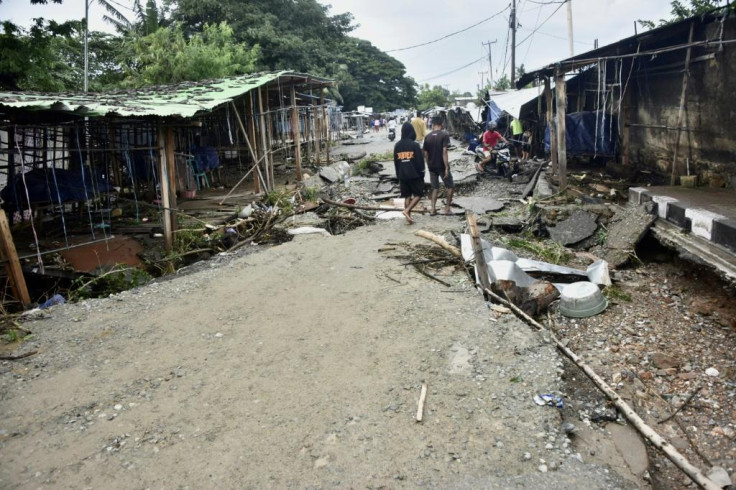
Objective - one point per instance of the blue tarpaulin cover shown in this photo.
(584, 137)
(52, 186)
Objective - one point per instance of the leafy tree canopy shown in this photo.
(680, 10)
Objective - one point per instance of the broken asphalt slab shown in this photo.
(579, 226)
(626, 229)
(479, 205)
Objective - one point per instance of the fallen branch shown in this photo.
(658, 441)
(422, 399)
(683, 405)
(427, 274)
(439, 241)
(22, 356)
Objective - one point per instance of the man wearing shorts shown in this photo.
(409, 163)
(438, 163)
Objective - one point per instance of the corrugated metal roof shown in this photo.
(180, 100)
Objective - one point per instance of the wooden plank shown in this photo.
(163, 171)
(12, 264)
(296, 129)
(317, 133)
(11, 159)
(422, 399)
(325, 128)
(480, 259)
(308, 133)
(561, 91)
(173, 179)
(551, 125)
(683, 101)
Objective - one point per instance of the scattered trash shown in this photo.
(246, 212)
(712, 372)
(720, 477)
(548, 399)
(56, 299)
(308, 230)
(582, 299)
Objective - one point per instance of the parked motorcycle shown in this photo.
(500, 160)
(391, 134)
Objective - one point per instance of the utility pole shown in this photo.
(86, 43)
(569, 26)
(512, 19)
(481, 73)
(490, 60)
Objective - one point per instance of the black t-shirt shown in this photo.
(434, 144)
(408, 160)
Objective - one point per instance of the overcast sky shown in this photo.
(392, 24)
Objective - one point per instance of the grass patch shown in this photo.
(551, 252)
(613, 292)
(516, 379)
(281, 199)
(373, 158)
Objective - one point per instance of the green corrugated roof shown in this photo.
(180, 100)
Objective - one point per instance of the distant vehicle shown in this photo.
(391, 134)
(501, 160)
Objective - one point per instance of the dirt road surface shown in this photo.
(298, 366)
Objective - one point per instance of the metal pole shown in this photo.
(490, 60)
(569, 27)
(513, 42)
(86, 44)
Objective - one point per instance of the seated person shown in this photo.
(490, 139)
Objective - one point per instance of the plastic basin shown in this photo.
(582, 299)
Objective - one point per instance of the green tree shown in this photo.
(432, 97)
(167, 56)
(502, 83)
(680, 11)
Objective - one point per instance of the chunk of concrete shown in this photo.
(579, 226)
(625, 230)
(479, 205)
(335, 172)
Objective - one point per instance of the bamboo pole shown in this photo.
(12, 264)
(308, 133)
(317, 133)
(163, 170)
(264, 147)
(252, 138)
(658, 441)
(683, 101)
(296, 129)
(439, 241)
(480, 259)
(325, 128)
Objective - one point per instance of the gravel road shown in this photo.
(296, 366)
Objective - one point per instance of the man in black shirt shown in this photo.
(435, 152)
(409, 163)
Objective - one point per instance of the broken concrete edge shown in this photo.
(543, 189)
(705, 224)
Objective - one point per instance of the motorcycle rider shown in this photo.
(490, 139)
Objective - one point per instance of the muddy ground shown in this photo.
(301, 366)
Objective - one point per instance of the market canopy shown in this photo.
(184, 100)
(512, 101)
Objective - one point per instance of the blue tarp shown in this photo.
(584, 137)
(52, 186)
(206, 158)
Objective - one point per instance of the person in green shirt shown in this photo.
(516, 130)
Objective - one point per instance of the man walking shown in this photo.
(409, 163)
(419, 127)
(438, 163)
(516, 131)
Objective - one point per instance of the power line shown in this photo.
(540, 25)
(558, 37)
(482, 58)
(449, 35)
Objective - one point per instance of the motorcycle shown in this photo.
(391, 134)
(500, 160)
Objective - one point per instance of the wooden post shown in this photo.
(626, 134)
(683, 100)
(173, 175)
(308, 133)
(254, 152)
(296, 129)
(317, 133)
(561, 133)
(551, 126)
(264, 145)
(163, 171)
(11, 161)
(326, 128)
(480, 259)
(12, 264)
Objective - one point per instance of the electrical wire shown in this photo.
(451, 34)
(482, 58)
